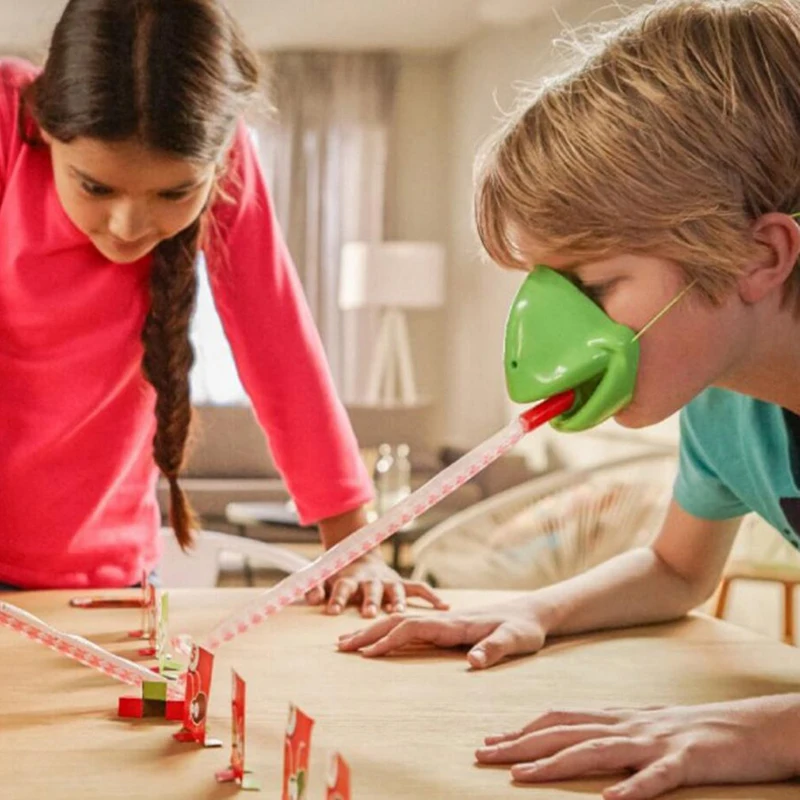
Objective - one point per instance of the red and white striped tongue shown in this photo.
(295, 586)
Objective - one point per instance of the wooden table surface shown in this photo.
(408, 725)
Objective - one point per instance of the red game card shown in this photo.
(236, 771)
(195, 704)
(297, 746)
(338, 779)
(237, 725)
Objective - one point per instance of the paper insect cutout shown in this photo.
(150, 615)
(297, 745)
(236, 771)
(195, 704)
(338, 779)
(166, 664)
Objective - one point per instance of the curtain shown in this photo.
(324, 150)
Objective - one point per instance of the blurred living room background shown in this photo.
(373, 113)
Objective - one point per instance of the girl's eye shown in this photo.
(95, 189)
(179, 194)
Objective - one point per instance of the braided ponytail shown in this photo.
(168, 358)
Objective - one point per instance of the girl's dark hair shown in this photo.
(176, 76)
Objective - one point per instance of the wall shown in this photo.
(417, 201)
(482, 77)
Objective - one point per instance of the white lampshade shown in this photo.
(392, 274)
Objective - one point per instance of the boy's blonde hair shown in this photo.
(680, 128)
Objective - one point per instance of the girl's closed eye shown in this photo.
(95, 189)
(176, 194)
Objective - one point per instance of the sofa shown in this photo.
(229, 460)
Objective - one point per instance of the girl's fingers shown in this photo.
(316, 596)
(371, 596)
(424, 592)
(395, 598)
(343, 590)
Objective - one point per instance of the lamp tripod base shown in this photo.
(391, 376)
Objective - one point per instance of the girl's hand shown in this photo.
(373, 584)
(749, 741)
(498, 631)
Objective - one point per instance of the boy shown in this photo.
(669, 158)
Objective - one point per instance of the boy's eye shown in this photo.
(596, 291)
(95, 189)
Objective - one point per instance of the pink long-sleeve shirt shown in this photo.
(77, 477)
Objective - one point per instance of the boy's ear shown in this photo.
(779, 237)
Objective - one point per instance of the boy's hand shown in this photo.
(373, 584)
(749, 741)
(498, 631)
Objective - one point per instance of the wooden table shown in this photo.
(408, 725)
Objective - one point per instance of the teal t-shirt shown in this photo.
(738, 454)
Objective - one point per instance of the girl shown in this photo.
(669, 159)
(118, 161)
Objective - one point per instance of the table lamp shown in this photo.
(393, 277)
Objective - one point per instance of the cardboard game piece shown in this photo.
(105, 602)
(195, 704)
(236, 771)
(153, 703)
(113, 602)
(338, 779)
(296, 749)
